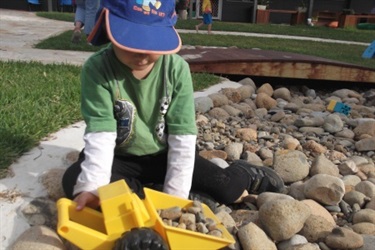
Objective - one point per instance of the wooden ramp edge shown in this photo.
(266, 63)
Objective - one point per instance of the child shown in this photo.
(138, 105)
(207, 16)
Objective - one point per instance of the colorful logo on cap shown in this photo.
(146, 5)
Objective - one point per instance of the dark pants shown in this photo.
(223, 185)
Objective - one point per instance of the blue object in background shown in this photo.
(339, 107)
(35, 2)
(370, 51)
(66, 2)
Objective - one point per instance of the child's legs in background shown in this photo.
(91, 7)
(79, 17)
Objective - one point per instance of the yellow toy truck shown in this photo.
(127, 222)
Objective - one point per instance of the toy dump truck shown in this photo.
(125, 221)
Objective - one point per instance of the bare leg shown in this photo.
(209, 28)
(198, 26)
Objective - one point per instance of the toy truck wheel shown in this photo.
(141, 238)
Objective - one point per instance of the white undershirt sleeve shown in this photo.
(180, 165)
(96, 168)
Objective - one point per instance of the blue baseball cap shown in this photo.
(141, 26)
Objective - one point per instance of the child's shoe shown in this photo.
(76, 37)
(262, 179)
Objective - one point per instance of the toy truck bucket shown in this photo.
(178, 238)
(123, 210)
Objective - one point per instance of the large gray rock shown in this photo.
(326, 189)
(291, 165)
(254, 238)
(281, 219)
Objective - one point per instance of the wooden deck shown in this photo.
(267, 63)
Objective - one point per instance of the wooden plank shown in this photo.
(274, 64)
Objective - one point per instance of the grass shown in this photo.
(37, 100)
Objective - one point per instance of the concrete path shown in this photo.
(20, 30)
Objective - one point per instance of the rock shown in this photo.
(70, 158)
(365, 128)
(233, 94)
(220, 162)
(290, 143)
(265, 88)
(321, 165)
(296, 190)
(247, 81)
(333, 123)
(203, 104)
(234, 151)
(244, 216)
(41, 211)
(219, 99)
(225, 218)
(265, 101)
(246, 91)
(343, 238)
(365, 144)
(351, 180)
(325, 189)
(219, 113)
(247, 134)
(369, 242)
(282, 93)
(52, 182)
(290, 243)
(38, 238)
(316, 228)
(269, 196)
(364, 215)
(253, 238)
(348, 167)
(291, 165)
(371, 204)
(232, 111)
(354, 197)
(209, 154)
(281, 219)
(366, 187)
(314, 147)
(364, 228)
(320, 211)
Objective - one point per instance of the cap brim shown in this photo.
(98, 35)
(135, 37)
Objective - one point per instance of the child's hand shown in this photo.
(86, 199)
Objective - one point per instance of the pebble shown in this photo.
(326, 159)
